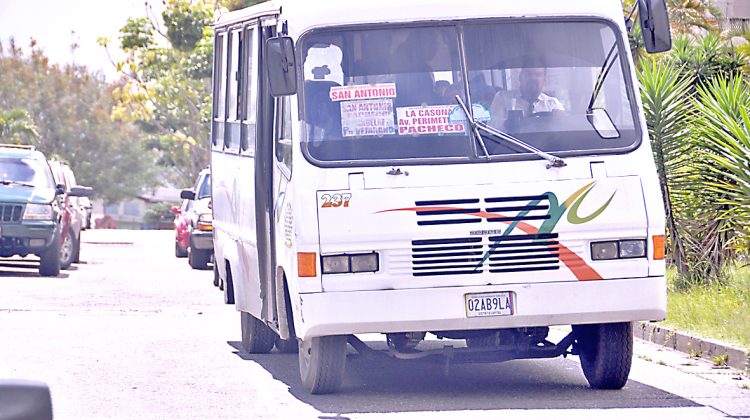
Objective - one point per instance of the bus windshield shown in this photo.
(390, 93)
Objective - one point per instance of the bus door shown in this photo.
(264, 180)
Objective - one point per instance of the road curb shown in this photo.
(698, 347)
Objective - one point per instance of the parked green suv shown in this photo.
(30, 207)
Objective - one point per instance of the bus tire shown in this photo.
(287, 346)
(228, 288)
(606, 353)
(256, 336)
(322, 362)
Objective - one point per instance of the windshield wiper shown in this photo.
(474, 128)
(12, 182)
(554, 161)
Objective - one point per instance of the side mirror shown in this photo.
(25, 400)
(655, 25)
(281, 66)
(187, 195)
(81, 192)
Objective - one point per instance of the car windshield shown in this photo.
(204, 189)
(27, 171)
(390, 93)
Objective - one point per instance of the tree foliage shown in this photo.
(723, 133)
(167, 84)
(65, 112)
(696, 101)
(691, 16)
(665, 93)
(703, 59)
(240, 4)
(17, 127)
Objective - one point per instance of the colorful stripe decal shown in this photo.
(572, 261)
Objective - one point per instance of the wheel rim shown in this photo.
(305, 347)
(66, 249)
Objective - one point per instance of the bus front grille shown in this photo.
(482, 255)
(486, 210)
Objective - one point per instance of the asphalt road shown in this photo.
(133, 333)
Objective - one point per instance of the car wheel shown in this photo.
(606, 353)
(216, 275)
(179, 251)
(77, 258)
(49, 264)
(322, 361)
(256, 336)
(68, 249)
(198, 259)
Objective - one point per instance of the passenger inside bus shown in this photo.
(416, 82)
(323, 115)
(509, 107)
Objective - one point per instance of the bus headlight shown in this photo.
(336, 264)
(632, 249)
(364, 263)
(350, 263)
(612, 250)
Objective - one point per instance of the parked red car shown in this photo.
(195, 217)
(182, 234)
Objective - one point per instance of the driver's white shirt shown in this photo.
(506, 101)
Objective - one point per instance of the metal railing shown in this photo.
(735, 25)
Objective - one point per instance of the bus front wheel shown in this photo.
(606, 353)
(322, 362)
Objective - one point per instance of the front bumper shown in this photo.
(443, 309)
(201, 240)
(26, 238)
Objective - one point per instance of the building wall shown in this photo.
(129, 214)
(734, 9)
(740, 9)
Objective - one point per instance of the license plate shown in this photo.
(489, 304)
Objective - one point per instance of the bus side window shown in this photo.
(283, 135)
(231, 136)
(220, 83)
(250, 116)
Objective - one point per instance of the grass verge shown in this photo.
(722, 313)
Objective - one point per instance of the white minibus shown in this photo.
(479, 171)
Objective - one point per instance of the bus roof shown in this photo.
(305, 14)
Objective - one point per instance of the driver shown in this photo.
(529, 100)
